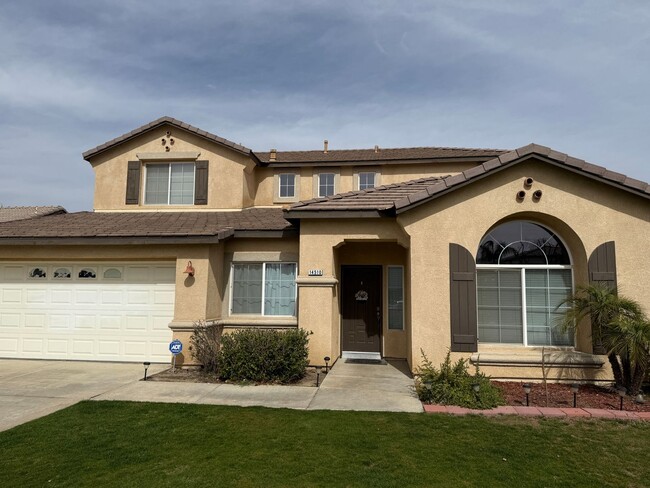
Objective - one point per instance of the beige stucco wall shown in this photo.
(584, 213)
(231, 178)
(346, 178)
(322, 247)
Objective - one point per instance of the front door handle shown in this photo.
(378, 315)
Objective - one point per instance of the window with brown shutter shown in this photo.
(462, 278)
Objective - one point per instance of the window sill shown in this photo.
(554, 358)
(258, 321)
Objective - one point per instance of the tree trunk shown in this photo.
(637, 380)
(627, 371)
(616, 369)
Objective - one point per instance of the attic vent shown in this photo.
(273, 156)
(325, 143)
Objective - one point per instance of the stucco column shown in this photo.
(316, 314)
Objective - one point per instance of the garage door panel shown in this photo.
(122, 316)
(61, 297)
(33, 345)
(35, 320)
(12, 296)
(9, 320)
(57, 346)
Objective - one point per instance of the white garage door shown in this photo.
(86, 311)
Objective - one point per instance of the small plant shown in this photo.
(264, 356)
(205, 343)
(452, 384)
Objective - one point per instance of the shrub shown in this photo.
(205, 343)
(452, 385)
(263, 356)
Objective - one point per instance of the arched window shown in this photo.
(523, 276)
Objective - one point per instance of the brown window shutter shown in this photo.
(462, 277)
(133, 182)
(201, 183)
(602, 265)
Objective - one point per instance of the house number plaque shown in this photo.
(315, 272)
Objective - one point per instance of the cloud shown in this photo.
(289, 74)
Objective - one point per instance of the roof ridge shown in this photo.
(454, 148)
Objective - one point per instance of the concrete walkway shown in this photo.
(387, 387)
(596, 413)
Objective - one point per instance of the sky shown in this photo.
(572, 75)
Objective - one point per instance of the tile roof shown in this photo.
(382, 154)
(8, 214)
(398, 198)
(170, 121)
(146, 224)
(378, 198)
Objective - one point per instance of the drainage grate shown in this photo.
(365, 361)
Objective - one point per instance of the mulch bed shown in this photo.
(198, 376)
(559, 395)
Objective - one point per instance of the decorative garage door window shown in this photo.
(524, 274)
(112, 274)
(38, 273)
(88, 273)
(62, 273)
(264, 289)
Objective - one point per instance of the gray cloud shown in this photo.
(571, 75)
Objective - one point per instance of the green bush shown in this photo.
(452, 384)
(205, 343)
(263, 356)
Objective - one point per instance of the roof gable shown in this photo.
(174, 123)
(395, 199)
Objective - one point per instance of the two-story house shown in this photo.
(379, 252)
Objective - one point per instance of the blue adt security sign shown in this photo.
(175, 347)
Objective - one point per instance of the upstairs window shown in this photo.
(169, 184)
(326, 184)
(287, 185)
(366, 180)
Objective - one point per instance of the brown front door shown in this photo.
(361, 308)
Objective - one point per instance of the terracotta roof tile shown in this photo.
(146, 224)
(8, 214)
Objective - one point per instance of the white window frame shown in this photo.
(318, 183)
(522, 280)
(280, 196)
(261, 314)
(401, 268)
(169, 183)
(374, 179)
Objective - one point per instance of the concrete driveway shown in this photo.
(30, 389)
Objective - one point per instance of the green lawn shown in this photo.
(146, 444)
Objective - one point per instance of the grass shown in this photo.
(148, 444)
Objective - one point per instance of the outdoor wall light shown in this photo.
(621, 392)
(146, 367)
(189, 269)
(521, 194)
(526, 387)
(327, 360)
(318, 370)
(574, 389)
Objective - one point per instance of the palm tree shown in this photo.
(619, 324)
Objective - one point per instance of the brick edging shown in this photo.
(598, 413)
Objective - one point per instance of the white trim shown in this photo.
(261, 314)
(524, 311)
(169, 184)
